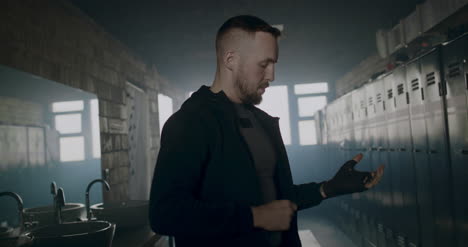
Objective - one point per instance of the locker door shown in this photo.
(371, 160)
(438, 150)
(348, 126)
(404, 142)
(357, 204)
(380, 157)
(420, 155)
(393, 167)
(454, 60)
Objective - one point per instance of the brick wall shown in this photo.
(55, 40)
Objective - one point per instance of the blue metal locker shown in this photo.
(455, 55)
(380, 156)
(393, 169)
(437, 149)
(409, 234)
(420, 156)
(371, 162)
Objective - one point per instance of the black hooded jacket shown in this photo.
(205, 181)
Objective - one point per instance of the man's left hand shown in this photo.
(348, 180)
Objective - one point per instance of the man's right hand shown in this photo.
(274, 216)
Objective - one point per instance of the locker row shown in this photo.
(414, 120)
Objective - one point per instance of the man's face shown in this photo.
(256, 67)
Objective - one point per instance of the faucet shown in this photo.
(88, 206)
(53, 191)
(20, 206)
(59, 202)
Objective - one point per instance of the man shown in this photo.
(222, 177)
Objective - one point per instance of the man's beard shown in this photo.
(246, 96)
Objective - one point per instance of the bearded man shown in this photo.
(222, 177)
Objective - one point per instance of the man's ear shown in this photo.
(230, 60)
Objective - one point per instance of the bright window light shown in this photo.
(96, 139)
(275, 103)
(307, 133)
(309, 105)
(165, 109)
(67, 106)
(68, 123)
(310, 88)
(72, 148)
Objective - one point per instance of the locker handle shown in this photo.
(432, 151)
(464, 151)
(374, 149)
(416, 150)
(402, 149)
(380, 227)
(382, 149)
(466, 81)
(391, 149)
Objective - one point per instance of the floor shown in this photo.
(315, 230)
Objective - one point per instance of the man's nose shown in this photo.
(270, 74)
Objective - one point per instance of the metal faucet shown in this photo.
(53, 191)
(59, 202)
(88, 206)
(20, 206)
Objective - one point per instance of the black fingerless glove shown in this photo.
(346, 181)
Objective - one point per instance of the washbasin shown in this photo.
(14, 237)
(126, 214)
(71, 234)
(45, 215)
(6, 232)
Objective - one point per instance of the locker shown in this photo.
(392, 174)
(420, 156)
(455, 73)
(371, 134)
(437, 150)
(358, 200)
(409, 234)
(380, 156)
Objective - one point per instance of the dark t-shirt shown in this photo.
(264, 157)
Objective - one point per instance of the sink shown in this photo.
(12, 237)
(74, 234)
(45, 215)
(126, 214)
(6, 232)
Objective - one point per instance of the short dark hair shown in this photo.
(248, 23)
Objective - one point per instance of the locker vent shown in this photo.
(363, 104)
(454, 69)
(379, 98)
(430, 78)
(415, 84)
(400, 89)
(371, 101)
(390, 93)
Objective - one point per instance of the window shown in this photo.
(67, 106)
(68, 122)
(311, 88)
(95, 132)
(72, 149)
(308, 134)
(275, 102)
(165, 107)
(308, 106)
(311, 97)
